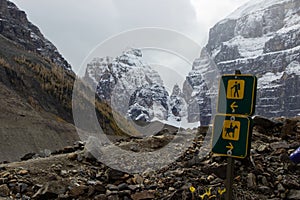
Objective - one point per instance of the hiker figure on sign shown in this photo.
(236, 87)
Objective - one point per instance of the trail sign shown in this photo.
(237, 94)
(231, 135)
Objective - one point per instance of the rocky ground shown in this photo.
(72, 173)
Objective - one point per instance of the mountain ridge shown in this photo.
(15, 25)
(259, 41)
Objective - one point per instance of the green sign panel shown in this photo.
(231, 135)
(237, 94)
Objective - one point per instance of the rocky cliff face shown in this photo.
(260, 38)
(15, 26)
(178, 104)
(129, 85)
(36, 86)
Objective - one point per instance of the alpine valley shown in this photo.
(260, 38)
(47, 153)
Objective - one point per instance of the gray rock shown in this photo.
(112, 187)
(251, 180)
(264, 189)
(142, 195)
(122, 186)
(4, 190)
(280, 188)
(50, 190)
(78, 190)
(100, 197)
(294, 194)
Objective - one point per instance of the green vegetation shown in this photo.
(49, 88)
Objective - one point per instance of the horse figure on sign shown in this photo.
(230, 131)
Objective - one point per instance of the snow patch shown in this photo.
(248, 47)
(293, 67)
(266, 80)
(253, 6)
(180, 124)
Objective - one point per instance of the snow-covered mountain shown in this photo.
(260, 38)
(15, 26)
(130, 86)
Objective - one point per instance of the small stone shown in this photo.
(113, 197)
(100, 197)
(79, 158)
(171, 189)
(124, 193)
(282, 195)
(279, 145)
(91, 182)
(142, 195)
(293, 194)
(63, 172)
(23, 172)
(45, 153)
(264, 181)
(99, 187)
(133, 187)
(18, 195)
(28, 156)
(4, 190)
(50, 190)
(152, 186)
(91, 191)
(123, 186)
(114, 175)
(279, 177)
(111, 187)
(78, 190)
(210, 178)
(3, 180)
(22, 187)
(280, 188)
(147, 181)
(72, 156)
(261, 148)
(264, 189)
(5, 174)
(137, 179)
(68, 149)
(251, 180)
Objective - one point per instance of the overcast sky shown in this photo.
(77, 26)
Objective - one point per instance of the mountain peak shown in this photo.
(15, 26)
(259, 38)
(254, 6)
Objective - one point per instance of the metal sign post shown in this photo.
(229, 178)
(232, 128)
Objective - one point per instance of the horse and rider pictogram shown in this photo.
(231, 130)
(235, 89)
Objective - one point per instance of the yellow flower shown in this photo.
(192, 189)
(221, 191)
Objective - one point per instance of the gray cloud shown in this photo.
(77, 26)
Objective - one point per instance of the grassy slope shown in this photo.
(36, 104)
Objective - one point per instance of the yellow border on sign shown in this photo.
(247, 138)
(253, 90)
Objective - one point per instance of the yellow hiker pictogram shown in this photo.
(231, 130)
(235, 89)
